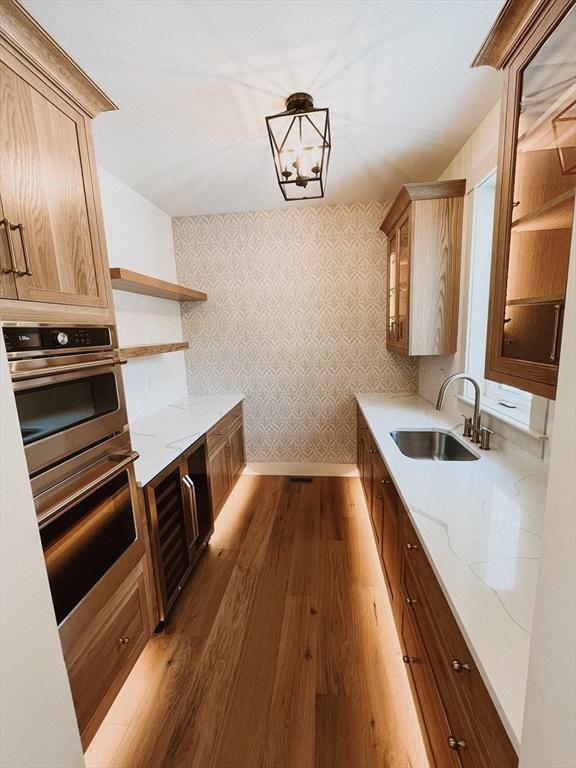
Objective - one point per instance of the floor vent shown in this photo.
(300, 480)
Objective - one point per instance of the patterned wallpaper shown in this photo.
(295, 320)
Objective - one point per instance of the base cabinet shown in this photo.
(459, 721)
(105, 651)
(226, 456)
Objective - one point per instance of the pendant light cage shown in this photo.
(300, 143)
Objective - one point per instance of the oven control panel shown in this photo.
(47, 338)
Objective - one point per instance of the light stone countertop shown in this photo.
(163, 435)
(480, 523)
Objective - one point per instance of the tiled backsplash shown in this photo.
(295, 319)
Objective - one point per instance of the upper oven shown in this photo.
(68, 390)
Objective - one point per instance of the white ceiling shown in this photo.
(194, 81)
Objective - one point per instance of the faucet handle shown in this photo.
(468, 428)
(485, 434)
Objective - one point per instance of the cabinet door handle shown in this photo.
(411, 547)
(410, 601)
(458, 667)
(10, 243)
(557, 310)
(393, 330)
(378, 495)
(385, 482)
(24, 240)
(123, 640)
(456, 744)
(409, 659)
(189, 485)
(13, 268)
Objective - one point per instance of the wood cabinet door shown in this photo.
(376, 505)
(390, 537)
(219, 471)
(47, 192)
(236, 443)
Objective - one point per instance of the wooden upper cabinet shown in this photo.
(424, 231)
(53, 248)
(533, 42)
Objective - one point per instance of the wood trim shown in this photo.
(153, 349)
(506, 33)
(24, 33)
(427, 190)
(135, 282)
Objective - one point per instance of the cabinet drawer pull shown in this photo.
(123, 640)
(553, 355)
(385, 482)
(409, 659)
(219, 434)
(456, 744)
(458, 667)
(372, 450)
(410, 601)
(411, 547)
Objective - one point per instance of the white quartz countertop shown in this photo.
(163, 435)
(480, 523)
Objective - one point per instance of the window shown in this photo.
(498, 399)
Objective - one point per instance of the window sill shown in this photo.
(499, 415)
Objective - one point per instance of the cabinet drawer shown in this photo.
(468, 704)
(459, 678)
(434, 724)
(462, 728)
(112, 649)
(222, 429)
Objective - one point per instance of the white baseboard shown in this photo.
(313, 470)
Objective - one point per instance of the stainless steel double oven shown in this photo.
(70, 401)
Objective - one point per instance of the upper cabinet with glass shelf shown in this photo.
(424, 231)
(534, 42)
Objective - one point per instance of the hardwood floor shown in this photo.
(281, 652)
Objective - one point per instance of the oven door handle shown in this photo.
(57, 371)
(120, 460)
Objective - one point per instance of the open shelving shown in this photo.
(153, 349)
(135, 282)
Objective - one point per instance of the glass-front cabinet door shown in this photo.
(536, 209)
(392, 292)
(403, 281)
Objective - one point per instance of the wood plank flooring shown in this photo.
(281, 652)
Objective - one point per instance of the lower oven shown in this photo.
(88, 524)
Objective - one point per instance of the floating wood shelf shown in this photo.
(153, 349)
(555, 214)
(134, 282)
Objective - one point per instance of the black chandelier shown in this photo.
(300, 141)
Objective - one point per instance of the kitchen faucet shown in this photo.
(472, 426)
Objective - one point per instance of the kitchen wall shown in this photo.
(295, 319)
(139, 237)
(37, 720)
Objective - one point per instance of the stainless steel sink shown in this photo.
(435, 445)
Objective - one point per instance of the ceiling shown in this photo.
(194, 80)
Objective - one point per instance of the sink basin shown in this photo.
(435, 445)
